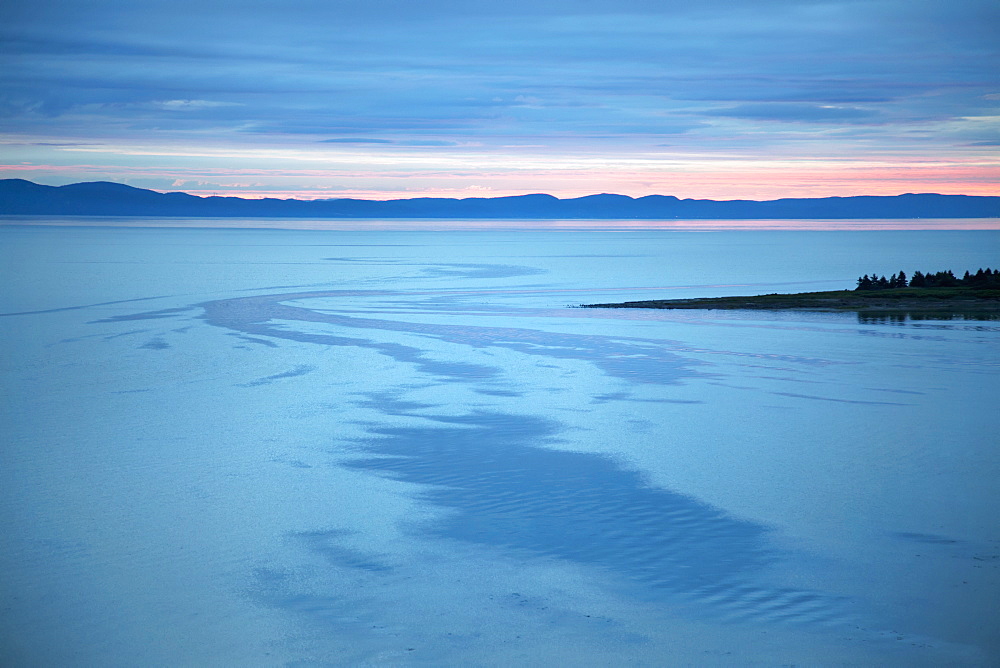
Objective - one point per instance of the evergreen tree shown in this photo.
(948, 279)
(941, 279)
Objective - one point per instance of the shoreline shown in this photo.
(943, 301)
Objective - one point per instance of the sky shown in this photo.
(387, 99)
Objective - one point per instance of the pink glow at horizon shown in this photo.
(721, 101)
(736, 179)
(429, 225)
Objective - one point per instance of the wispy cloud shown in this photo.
(787, 78)
(797, 113)
(191, 105)
(356, 140)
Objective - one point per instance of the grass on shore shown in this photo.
(955, 299)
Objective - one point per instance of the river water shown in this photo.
(404, 447)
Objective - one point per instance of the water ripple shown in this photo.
(506, 490)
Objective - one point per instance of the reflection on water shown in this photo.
(245, 481)
(459, 224)
(908, 317)
(507, 490)
(632, 359)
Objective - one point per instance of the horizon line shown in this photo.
(272, 196)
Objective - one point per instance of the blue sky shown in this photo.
(386, 99)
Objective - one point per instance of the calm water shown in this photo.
(308, 448)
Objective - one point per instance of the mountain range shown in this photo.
(101, 198)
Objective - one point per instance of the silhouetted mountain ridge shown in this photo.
(102, 198)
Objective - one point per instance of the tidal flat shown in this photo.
(402, 447)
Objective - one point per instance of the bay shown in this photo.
(404, 447)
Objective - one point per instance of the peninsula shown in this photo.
(940, 293)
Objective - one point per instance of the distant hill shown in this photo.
(101, 198)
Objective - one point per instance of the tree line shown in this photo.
(984, 278)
